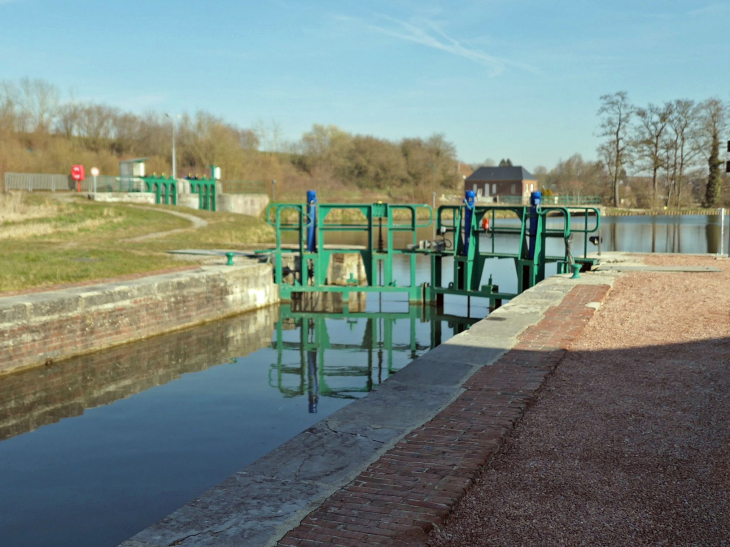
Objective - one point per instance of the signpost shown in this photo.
(94, 173)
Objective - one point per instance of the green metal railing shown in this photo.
(380, 225)
(165, 189)
(464, 224)
(206, 190)
(530, 252)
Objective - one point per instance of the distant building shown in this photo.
(501, 181)
(463, 170)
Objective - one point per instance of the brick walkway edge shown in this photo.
(414, 485)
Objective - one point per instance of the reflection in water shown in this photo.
(713, 233)
(45, 395)
(664, 234)
(378, 336)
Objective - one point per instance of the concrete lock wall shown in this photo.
(342, 265)
(244, 204)
(339, 270)
(189, 200)
(42, 327)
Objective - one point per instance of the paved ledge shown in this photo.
(49, 326)
(406, 450)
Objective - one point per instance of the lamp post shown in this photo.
(174, 161)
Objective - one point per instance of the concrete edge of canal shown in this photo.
(44, 327)
(266, 501)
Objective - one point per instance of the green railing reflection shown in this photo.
(313, 374)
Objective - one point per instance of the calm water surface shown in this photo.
(97, 448)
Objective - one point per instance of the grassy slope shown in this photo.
(78, 240)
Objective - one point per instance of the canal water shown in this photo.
(96, 448)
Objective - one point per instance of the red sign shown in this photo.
(77, 172)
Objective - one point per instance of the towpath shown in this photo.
(606, 427)
(196, 220)
(628, 442)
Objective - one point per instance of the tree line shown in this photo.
(672, 149)
(40, 131)
(653, 155)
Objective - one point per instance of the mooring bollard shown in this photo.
(576, 271)
(230, 258)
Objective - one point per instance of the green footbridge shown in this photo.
(302, 253)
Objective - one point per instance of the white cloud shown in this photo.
(427, 33)
(710, 9)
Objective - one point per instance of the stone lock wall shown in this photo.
(42, 327)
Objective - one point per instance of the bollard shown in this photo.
(312, 217)
(535, 199)
(576, 271)
(230, 259)
(468, 213)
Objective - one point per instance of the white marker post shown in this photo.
(94, 173)
(434, 224)
(722, 232)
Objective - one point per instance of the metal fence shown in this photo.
(242, 187)
(37, 181)
(106, 183)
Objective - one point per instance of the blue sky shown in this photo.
(517, 79)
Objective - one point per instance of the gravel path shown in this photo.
(196, 220)
(629, 441)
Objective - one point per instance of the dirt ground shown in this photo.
(629, 441)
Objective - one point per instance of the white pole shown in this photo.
(94, 187)
(722, 231)
(434, 220)
(174, 161)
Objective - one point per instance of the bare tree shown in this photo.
(96, 125)
(8, 107)
(68, 118)
(713, 121)
(575, 175)
(647, 140)
(616, 113)
(681, 148)
(126, 131)
(40, 100)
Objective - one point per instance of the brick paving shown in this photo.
(398, 499)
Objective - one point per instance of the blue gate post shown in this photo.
(535, 199)
(312, 214)
(468, 212)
